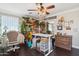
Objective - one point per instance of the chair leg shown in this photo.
(14, 49)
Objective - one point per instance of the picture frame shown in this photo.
(59, 27)
(68, 28)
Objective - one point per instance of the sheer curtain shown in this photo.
(11, 22)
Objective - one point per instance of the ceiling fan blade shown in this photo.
(31, 10)
(51, 6)
(41, 4)
(47, 13)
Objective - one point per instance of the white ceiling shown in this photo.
(20, 9)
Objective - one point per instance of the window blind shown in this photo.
(11, 22)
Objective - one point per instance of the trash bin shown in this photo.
(53, 42)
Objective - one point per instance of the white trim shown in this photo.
(77, 47)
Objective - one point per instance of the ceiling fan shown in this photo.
(41, 9)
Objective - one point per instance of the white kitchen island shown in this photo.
(50, 48)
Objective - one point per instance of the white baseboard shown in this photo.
(77, 47)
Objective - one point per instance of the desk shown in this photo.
(50, 49)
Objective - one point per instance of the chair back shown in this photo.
(12, 36)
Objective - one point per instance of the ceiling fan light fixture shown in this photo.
(41, 9)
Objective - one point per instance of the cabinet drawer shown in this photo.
(65, 46)
(62, 42)
(58, 44)
(65, 39)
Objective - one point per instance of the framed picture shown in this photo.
(59, 27)
(68, 28)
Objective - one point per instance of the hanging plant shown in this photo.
(25, 17)
(42, 24)
(37, 23)
(23, 27)
(26, 25)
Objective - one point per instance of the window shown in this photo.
(51, 27)
(11, 22)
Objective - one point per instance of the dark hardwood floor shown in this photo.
(63, 52)
(24, 51)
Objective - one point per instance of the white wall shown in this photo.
(70, 15)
